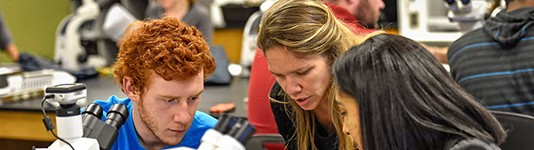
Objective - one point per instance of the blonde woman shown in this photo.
(300, 39)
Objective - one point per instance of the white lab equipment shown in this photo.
(469, 14)
(117, 20)
(68, 118)
(70, 52)
(81, 131)
(250, 34)
(430, 20)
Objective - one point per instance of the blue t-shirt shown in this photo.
(127, 136)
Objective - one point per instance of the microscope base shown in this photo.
(78, 144)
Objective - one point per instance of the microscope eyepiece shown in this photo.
(242, 130)
(465, 1)
(225, 123)
(117, 115)
(93, 109)
(104, 131)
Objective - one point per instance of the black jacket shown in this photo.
(286, 127)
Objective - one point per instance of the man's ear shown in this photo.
(129, 89)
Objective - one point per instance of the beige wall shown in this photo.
(33, 24)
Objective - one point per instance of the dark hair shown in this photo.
(406, 98)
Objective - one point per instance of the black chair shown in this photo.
(257, 141)
(520, 129)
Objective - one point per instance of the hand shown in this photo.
(13, 52)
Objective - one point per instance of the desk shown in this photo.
(22, 121)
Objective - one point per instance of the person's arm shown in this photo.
(13, 52)
(205, 26)
(207, 30)
(439, 52)
(6, 43)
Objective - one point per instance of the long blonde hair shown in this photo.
(307, 27)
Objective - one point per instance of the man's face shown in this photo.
(167, 108)
(368, 12)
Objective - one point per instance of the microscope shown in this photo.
(80, 42)
(81, 131)
(230, 133)
(470, 14)
(86, 131)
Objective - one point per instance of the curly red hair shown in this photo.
(167, 47)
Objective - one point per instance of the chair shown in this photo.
(257, 142)
(259, 107)
(520, 129)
